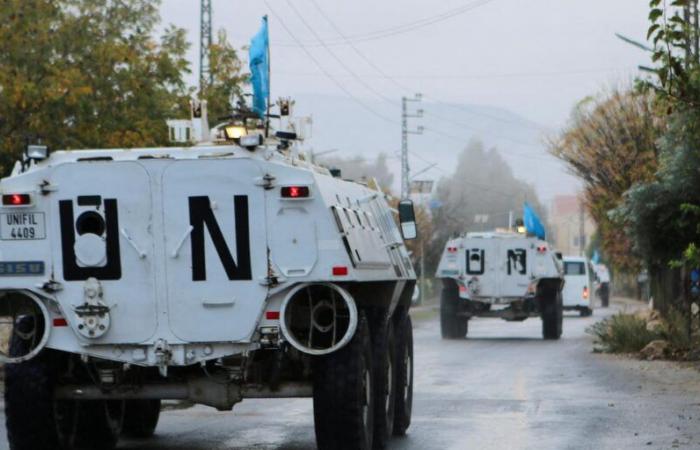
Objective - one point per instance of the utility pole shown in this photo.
(405, 169)
(205, 41)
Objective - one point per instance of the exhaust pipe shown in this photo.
(318, 318)
(24, 326)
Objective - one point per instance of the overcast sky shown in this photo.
(535, 57)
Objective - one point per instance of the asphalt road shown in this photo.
(502, 388)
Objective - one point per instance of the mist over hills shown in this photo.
(344, 124)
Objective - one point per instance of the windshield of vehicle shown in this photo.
(574, 268)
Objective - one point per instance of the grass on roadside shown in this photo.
(630, 333)
(621, 333)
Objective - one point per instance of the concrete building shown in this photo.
(570, 226)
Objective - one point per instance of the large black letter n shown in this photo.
(201, 216)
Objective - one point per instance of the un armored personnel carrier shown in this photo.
(500, 274)
(212, 273)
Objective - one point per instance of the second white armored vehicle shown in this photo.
(211, 273)
(500, 274)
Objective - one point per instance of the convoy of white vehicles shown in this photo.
(228, 270)
(210, 273)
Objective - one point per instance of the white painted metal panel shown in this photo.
(214, 215)
(120, 193)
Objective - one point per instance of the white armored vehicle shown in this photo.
(500, 274)
(210, 273)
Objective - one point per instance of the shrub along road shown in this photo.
(502, 388)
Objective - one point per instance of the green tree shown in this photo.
(91, 74)
(482, 184)
(662, 213)
(228, 79)
(610, 144)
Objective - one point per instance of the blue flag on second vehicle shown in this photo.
(260, 69)
(532, 222)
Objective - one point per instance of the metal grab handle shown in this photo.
(176, 252)
(141, 253)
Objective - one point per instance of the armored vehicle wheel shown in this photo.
(141, 418)
(452, 326)
(404, 375)
(35, 420)
(552, 315)
(343, 395)
(384, 383)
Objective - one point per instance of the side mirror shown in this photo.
(407, 219)
(37, 152)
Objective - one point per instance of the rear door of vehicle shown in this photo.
(100, 227)
(482, 264)
(515, 267)
(576, 280)
(216, 261)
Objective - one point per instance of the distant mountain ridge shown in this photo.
(342, 123)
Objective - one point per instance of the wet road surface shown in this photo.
(502, 388)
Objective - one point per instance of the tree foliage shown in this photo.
(91, 73)
(227, 78)
(662, 214)
(610, 144)
(482, 184)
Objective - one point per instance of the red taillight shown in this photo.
(295, 192)
(541, 249)
(585, 292)
(451, 249)
(462, 288)
(16, 199)
(60, 322)
(272, 315)
(340, 270)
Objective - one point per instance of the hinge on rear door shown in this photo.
(45, 187)
(269, 281)
(50, 285)
(267, 181)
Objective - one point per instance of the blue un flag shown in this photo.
(260, 69)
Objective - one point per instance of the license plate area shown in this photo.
(22, 226)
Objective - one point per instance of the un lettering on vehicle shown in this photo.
(19, 226)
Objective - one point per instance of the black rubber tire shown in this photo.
(552, 315)
(29, 402)
(141, 418)
(97, 424)
(35, 421)
(343, 401)
(384, 352)
(452, 326)
(586, 312)
(403, 404)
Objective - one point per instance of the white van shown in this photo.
(577, 291)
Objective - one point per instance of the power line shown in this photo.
(476, 76)
(387, 77)
(357, 77)
(396, 30)
(394, 81)
(322, 69)
(336, 57)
